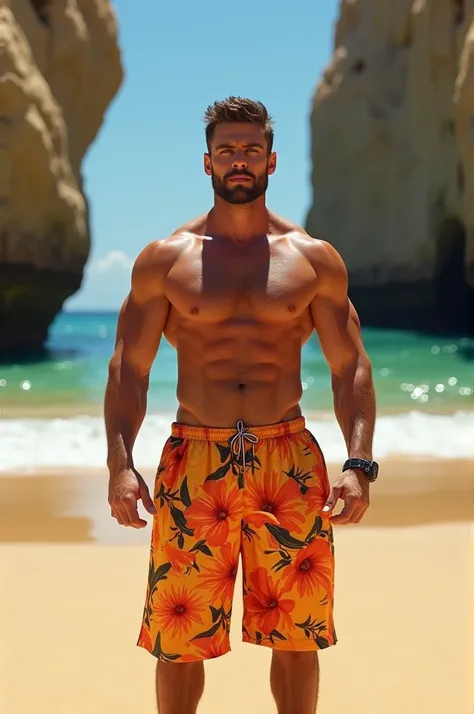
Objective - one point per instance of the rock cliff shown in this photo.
(59, 70)
(393, 160)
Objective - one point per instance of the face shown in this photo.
(239, 163)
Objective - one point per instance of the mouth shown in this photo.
(240, 178)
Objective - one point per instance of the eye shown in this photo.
(252, 151)
(226, 151)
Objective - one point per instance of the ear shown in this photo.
(272, 163)
(207, 164)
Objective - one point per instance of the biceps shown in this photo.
(139, 331)
(338, 328)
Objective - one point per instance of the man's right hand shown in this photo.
(125, 490)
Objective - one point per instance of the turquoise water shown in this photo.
(410, 370)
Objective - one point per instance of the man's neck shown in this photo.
(240, 222)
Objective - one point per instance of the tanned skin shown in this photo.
(238, 292)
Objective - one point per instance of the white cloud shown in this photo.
(106, 283)
(114, 261)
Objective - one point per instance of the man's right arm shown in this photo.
(140, 326)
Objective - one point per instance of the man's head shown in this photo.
(239, 137)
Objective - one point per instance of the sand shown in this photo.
(72, 586)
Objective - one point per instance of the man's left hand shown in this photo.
(353, 488)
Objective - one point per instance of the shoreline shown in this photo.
(95, 409)
(70, 505)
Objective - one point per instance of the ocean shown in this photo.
(51, 408)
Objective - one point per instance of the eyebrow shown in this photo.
(246, 146)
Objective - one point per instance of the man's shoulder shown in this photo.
(162, 252)
(320, 253)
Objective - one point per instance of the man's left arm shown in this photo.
(338, 328)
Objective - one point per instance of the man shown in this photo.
(238, 292)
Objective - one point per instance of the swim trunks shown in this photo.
(221, 493)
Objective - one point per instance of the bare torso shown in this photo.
(238, 319)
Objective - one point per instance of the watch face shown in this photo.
(374, 469)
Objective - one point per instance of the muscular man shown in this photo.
(238, 292)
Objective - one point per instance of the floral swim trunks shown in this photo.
(221, 494)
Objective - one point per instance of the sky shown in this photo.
(144, 173)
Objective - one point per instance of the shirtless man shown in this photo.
(238, 292)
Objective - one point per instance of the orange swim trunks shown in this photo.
(221, 493)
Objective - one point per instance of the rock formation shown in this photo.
(59, 70)
(393, 160)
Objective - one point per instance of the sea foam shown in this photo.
(79, 442)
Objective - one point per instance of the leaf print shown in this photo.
(312, 630)
(184, 493)
(219, 473)
(321, 642)
(284, 538)
(249, 532)
(180, 520)
(275, 635)
(300, 476)
(208, 633)
(202, 547)
(315, 530)
(215, 613)
(158, 652)
(158, 574)
(224, 451)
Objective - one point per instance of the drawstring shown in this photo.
(237, 443)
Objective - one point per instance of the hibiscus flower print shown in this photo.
(318, 492)
(275, 495)
(180, 560)
(173, 461)
(212, 647)
(265, 605)
(312, 569)
(216, 513)
(219, 579)
(178, 609)
(284, 447)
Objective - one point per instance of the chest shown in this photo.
(274, 284)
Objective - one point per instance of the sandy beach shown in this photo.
(72, 586)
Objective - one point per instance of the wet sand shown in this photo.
(72, 587)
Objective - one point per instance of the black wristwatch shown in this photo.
(370, 468)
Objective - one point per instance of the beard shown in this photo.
(242, 193)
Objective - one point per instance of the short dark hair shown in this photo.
(238, 109)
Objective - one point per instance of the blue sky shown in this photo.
(143, 174)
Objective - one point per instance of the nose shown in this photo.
(239, 163)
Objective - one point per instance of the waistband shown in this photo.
(205, 433)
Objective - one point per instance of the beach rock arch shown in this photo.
(52, 104)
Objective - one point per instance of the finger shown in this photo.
(131, 511)
(360, 514)
(334, 496)
(122, 515)
(115, 515)
(146, 499)
(345, 516)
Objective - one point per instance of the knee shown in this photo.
(295, 661)
(181, 672)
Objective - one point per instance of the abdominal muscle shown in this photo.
(250, 372)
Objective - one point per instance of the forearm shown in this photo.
(124, 411)
(354, 406)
